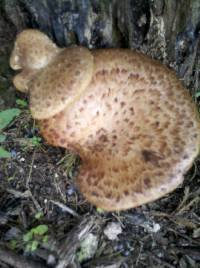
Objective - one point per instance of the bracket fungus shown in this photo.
(128, 117)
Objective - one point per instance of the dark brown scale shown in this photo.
(62, 141)
(147, 182)
(126, 192)
(108, 195)
(94, 193)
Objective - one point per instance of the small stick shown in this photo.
(18, 194)
(66, 250)
(17, 261)
(30, 171)
(65, 208)
(37, 205)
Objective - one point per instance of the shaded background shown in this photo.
(165, 29)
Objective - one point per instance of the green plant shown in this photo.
(100, 210)
(196, 96)
(22, 103)
(69, 161)
(35, 236)
(4, 153)
(35, 141)
(32, 239)
(39, 215)
(29, 143)
(6, 118)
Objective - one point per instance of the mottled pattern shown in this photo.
(58, 85)
(134, 126)
(32, 51)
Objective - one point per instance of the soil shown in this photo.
(37, 188)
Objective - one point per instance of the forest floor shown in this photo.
(45, 221)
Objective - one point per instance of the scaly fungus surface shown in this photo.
(128, 117)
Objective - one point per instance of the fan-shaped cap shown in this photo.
(61, 83)
(135, 128)
(129, 117)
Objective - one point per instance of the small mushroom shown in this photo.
(128, 117)
(32, 51)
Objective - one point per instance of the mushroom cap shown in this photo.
(129, 117)
(21, 81)
(61, 83)
(135, 127)
(32, 50)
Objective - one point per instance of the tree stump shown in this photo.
(165, 29)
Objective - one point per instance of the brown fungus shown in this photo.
(128, 116)
(32, 51)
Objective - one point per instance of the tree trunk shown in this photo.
(165, 29)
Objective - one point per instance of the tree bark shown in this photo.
(165, 29)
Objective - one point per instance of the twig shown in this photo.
(139, 254)
(18, 194)
(194, 173)
(17, 261)
(162, 262)
(65, 208)
(59, 191)
(30, 171)
(26, 194)
(66, 250)
(107, 261)
(185, 198)
(185, 208)
(35, 202)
